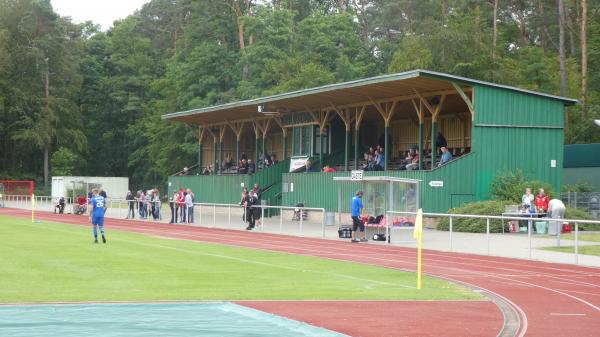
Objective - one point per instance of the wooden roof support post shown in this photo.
(421, 116)
(434, 117)
(347, 117)
(284, 132)
(387, 115)
(200, 135)
(237, 127)
(465, 98)
(358, 116)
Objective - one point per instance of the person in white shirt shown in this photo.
(556, 209)
(189, 204)
(527, 200)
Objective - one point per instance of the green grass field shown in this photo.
(585, 250)
(592, 237)
(52, 262)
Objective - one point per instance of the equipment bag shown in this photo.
(345, 232)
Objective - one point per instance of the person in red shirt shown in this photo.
(81, 205)
(328, 169)
(181, 205)
(541, 202)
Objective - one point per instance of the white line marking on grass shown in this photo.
(249, 261)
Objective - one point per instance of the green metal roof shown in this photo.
(366, 83)
(582, 155)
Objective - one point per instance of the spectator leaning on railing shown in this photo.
(446, 156)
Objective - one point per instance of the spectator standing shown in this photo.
(189, 205)
(446, 156)
(181, 205)
(60, 204)
(527, 200)
(130, 205)
(440, 141)
(357, 223)
(173, 206)
(556, 209)
(245, 203)
(148, 204)
(541, 202)
(255, 209)
(156, 203)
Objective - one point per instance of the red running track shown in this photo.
(552, 299)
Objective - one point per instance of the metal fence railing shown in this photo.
(488, 218)
(587, 201)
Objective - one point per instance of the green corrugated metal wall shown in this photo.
(506, 107)
(513, 130)
(223, 189)
(226, 189)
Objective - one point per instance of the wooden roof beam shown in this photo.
(465, 98)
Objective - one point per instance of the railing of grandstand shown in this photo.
(488, 218)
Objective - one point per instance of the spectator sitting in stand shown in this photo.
(365, 164)
(60, 204)
(185, 171)
(208, 170)
(274, 159)
(251, 167)
(309, 166)
(414, 164)
(242, 167)
(446, 156)
(378, 161)
(328, 169)
(228, 161)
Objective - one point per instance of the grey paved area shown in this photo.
(514, 245)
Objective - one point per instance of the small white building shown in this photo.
(115, 187)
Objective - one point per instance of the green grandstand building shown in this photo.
(489, 128)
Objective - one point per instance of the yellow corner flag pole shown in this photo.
(418, 234)
(33, 208)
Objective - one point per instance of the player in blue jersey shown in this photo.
(97, 214)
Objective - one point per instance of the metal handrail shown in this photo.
(529, 220)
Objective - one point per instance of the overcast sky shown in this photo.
(102, 12)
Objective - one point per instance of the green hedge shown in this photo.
(489, 207)
(578, 213)
(496, 207)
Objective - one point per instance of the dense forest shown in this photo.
(77, 100)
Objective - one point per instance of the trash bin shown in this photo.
(329, 218)
(541, 227)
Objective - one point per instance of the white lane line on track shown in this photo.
(565, 314)
(273, 265)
